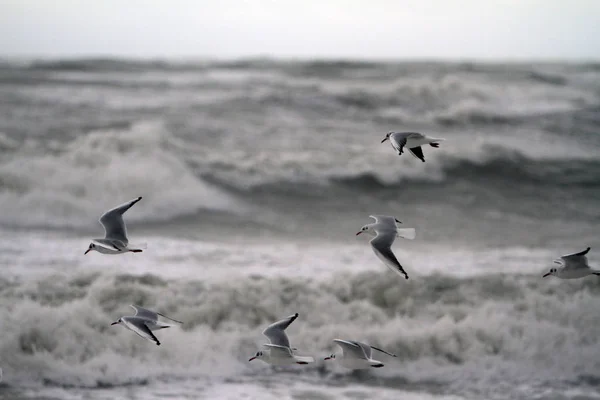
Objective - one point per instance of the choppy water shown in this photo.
(255, 177)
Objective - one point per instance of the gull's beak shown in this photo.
(545, 275)
(384, 139)
(251, 359)
(87, 251)
(114, 323)
(327, 358)
(358, 233)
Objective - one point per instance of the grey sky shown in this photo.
(498, 29)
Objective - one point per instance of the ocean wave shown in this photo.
(552, 75)
(135, 65)
(593, 67)
(550, 79)
(451, 99)
(447, 323)
(98, 64)
(487, 163)
(223, 135)
(446, 94)
(334, 69)
(71, 185)
(477, 117)
(471, 113)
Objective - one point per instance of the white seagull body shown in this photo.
(280, 352)
(412, 140)
(356, 355)
(386, 229)
(572, 266)
(115, 232)
(144, 322)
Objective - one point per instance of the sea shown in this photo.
(255, 176)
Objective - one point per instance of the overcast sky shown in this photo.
(389, 29)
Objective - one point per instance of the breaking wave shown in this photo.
(72, 183)
(65, 186)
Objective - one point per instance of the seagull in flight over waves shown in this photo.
(412, 140)
(356, 355)
(115, 232)
(280, 352)
(572, 266)
(144, 322)
(385, 229)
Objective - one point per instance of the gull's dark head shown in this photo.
(258, 354)
(363, 229)
(117, 322)
(551, 272)
(387, 137)
(90, 248)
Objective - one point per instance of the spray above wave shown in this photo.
(72, 185)
(443, 322)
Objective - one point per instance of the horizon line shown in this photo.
(259, 57)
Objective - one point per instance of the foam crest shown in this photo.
(73, 186)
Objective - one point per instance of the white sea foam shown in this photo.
(440, 327)
(499, 320)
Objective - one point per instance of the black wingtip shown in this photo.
(158, 343)
(296, 315)
(405, 276)
(139, 198)
(398, 221)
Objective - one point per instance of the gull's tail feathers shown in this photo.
(435, 142)
(407, 233)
